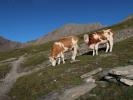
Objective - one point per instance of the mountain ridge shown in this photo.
(6, 44)
(68, 29)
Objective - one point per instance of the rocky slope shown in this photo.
(6, 44)
(69, 29)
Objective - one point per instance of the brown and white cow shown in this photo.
(94, 39)
(61, 46)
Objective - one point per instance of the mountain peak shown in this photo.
(6, 44)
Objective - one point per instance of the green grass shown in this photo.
(51, 79)
(123, 25)
(29, 50)
(33, 60)
(4, 69)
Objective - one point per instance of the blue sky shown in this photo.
(25, 20)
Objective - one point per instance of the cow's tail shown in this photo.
(86, 38)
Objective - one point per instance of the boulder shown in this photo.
(122, 71)
(89, 80)
(127, 81)
(122, 74)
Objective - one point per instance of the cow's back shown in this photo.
(68, 41)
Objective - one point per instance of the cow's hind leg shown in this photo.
(107, 48)
(93, 52)
(96, 49)
(111, 44)
(74, 53)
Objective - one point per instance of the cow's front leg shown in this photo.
(93, 52)
(92, 47)
(74, 53)
(59, 60)
(62, 56)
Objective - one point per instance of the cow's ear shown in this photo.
(49, 57)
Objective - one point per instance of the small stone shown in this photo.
(90, 80)
(92, 95)
(54, 80)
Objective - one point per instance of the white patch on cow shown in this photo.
(96, 36)
(61, 45)
(91, 46)
(65, 48)
(53, 61)
(75, 47)
(74, 41)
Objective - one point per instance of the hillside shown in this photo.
(6, 44)
(49, 81)
(126, 23)
(69, 29)
(30, 77)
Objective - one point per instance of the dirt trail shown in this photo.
(7, 83)
(10, 78)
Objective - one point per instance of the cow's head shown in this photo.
(108, 31)
(52, 60)
(86, 38)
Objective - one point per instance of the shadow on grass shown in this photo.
(91, 52)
